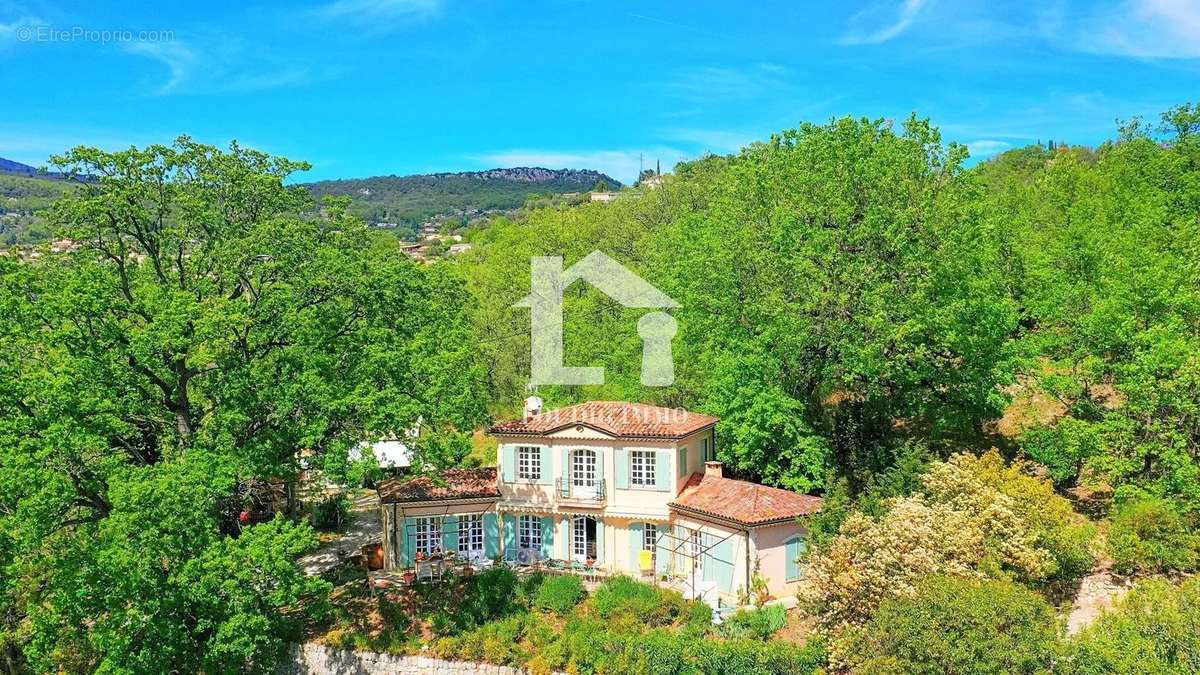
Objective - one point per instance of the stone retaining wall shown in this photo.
(313, 659)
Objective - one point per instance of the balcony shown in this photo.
(581, 495)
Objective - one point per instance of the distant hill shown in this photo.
(24, 192)
(410, 200)
(9, 166)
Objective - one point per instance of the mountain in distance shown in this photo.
(406, 201)
(9, 166)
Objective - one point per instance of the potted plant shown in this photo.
(410, 577)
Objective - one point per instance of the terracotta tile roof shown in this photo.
(615, 418)
(453, 484)
(742, 501)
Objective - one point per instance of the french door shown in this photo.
(583, 538)
(583, 473)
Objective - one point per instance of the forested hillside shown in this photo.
(21, 198)
(408, 200)
(991, 374)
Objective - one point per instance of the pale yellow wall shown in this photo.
(631, 501)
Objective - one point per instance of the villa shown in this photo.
(616, 487)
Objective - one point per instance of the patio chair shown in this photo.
(426, 570)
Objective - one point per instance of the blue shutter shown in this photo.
(683, 469)
(450, 533)
(546, 477)
(662, 469)
(621, 458)
(491, 535)
(793, 550)
(510, 536)
(564, 472)
(636, 533)
(508, 463)
(548, 537)
(406, 540)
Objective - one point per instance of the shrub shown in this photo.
(756, 624)
(1149, 536)
(624, 601)
(559, 594)
(953, 625)
(488, 595)
(1154, 629)
(331, 513)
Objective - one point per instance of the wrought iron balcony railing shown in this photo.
(568, 489)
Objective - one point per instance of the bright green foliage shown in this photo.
(1149, 536)
(204, 334)
(621, 600)
(1102, 258)
(1154, 629)
(833, 282)
(559, 594)
(755, 624)
(953, 625)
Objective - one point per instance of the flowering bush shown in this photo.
(963, 524)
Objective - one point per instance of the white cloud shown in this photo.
(729, 83)
(985, 147)
(881, 22)
(1151, 29)
(620, 164)
(16, 22)
(204, 63)
(379, 14)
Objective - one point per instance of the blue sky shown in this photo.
(362, 88)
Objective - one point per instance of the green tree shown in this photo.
(952, 625)
(206, 332)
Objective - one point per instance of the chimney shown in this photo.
(713, 469)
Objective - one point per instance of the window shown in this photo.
(649, 536)
(429, 536)
(529, 463)
(529, 534)
(470, 533)
(696, 544)
(641, 468)
(704, 449)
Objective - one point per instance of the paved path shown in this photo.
(1098, 591)
(365, 528)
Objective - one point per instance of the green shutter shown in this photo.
(621, 458)
(662, 557)
(491, 535)
(683, 469)
(406, 539)
(450, 533)
(548, 537)
(793, 551)
(636, 533)
(510, 536)
(508, 463)
(599, 541)
(662, 468)
(546, 477)
(718, 564)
